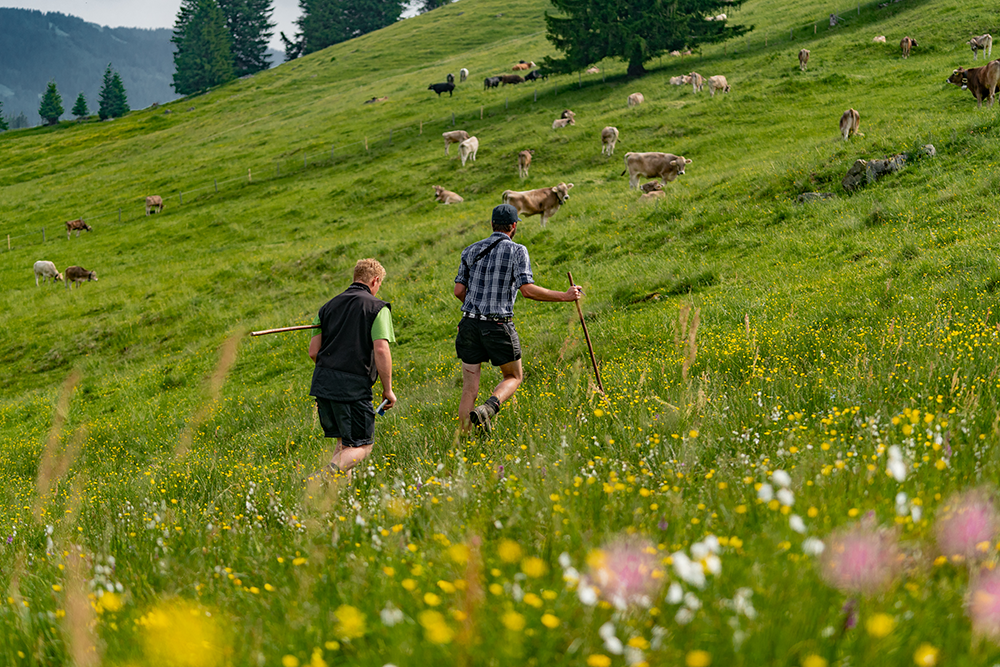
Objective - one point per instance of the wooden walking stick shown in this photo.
(301, 327)
(586, 335)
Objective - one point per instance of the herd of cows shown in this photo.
(981, 81)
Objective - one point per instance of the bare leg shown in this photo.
(346, 458)
(513, 375)
(470, 391)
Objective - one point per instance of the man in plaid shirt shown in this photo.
(491, 274)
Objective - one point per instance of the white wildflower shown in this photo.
(675, 593)
(781, 478)
(813, 546)
(796, 523)
(765, 492)
(786, 497)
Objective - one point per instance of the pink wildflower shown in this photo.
(967, 524)
(984, 604)
(861, 559)
(626, 572)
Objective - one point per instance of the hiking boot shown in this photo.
(481, 416)
(327, 472)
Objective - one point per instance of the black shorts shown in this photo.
(353, 423)
(479, 341)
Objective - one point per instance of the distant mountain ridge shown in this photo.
(37, 47)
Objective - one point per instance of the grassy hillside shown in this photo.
(739, 334)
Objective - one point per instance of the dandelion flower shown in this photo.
(880, 625)
(698, 658)
(814, 660)
(513, 621)
(436, 629)
(350, 622)
(860, 559)
(926, 655)
(509, 551)
(598, 660)
(966, 522)
(534, 567)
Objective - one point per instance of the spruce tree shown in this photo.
(51, 107)
(250, 29)
(203, 58)
(636, 31)
(80, 109)
(113, 100)
(425, 6)
(3, 121)
(327, 22)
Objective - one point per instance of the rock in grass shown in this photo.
(813, 196)
(864, 172)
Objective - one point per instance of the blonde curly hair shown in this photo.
(367, 269)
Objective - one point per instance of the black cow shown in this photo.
(451, 78)
(491, 82)
(534, 75)
(442, 88)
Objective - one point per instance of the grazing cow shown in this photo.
(491, 82)
(154, 201)
(651, 186)
(442, 88)
(534, 75)
(849, 123)
(544, 201)
(697, 81)
(717, 82)
(635, 99)
(592, 70)
(450, 78)
(468, 148)
(653, 165)
(524, 162)
(453, 137)
(680, 80)
(78, 226)
(511, 79)
(609, 137)
(463, 74)
(980, 81)
(78, 274)
(803, 59)
(906, 44)
(446, 196)
(46, 270)
(982, 43)
(559, 123)
(878, 39)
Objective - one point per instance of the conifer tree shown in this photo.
(204, 53)
(636, 31)
(425, 6)
(327, 22)
(51, 107)
(250, 29)
(3, 121)
(80, 109)
(113, 100)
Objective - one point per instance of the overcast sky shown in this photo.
(147, 13)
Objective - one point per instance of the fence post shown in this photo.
(579, 79)
(536, 96)
(43, 235)
(814, 28)
(305, 162)
(216, 185)
(249, 176)
(481, 109)
(506, 103)
(332, 148)
(390, 136)
(277, 167)
(366, 143)
(8, 242)
(421, 127)
(181, 196)
(119, 215)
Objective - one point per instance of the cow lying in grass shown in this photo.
(543, 201)
(446, 196)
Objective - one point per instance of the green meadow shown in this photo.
(794, 462)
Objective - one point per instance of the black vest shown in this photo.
(345, 366)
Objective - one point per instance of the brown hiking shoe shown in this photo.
(481, 416)
(326, 473)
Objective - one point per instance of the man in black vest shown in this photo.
(351, 350)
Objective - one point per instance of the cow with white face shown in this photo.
(543, 201)
(666, 166)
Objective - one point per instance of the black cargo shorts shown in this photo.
(485, 340)
(353, 422)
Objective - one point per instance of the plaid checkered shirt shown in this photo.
(493, 281)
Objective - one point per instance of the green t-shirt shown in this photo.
(381, 328)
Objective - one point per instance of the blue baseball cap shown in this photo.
(505, 214)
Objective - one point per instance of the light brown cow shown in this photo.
(675, 54)
(453, 137)
(468, 148)
(717, 82)
(78, 274)
(593, 70)
(635, 99)
(562, 122)
(567, 114)
(523, 66)
(849, 123)
(980, 81)
(697, 81)
(46, 270)
(653, 195)
(154, 201)
(524, 162)
(803, 59)
(653, 165)
(544, 201)
(609, 137)
(446, 196)
(651, 186)
(77, 226)
(680, 80)
(906, 44)
(982, 43)
(878, 39)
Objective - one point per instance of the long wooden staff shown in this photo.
(586, 335)
(301, 327)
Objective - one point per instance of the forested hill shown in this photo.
(37, 47)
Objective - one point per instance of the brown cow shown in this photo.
(453, 137)
(511, 79)
(906, 44)
(78, 274)
(544, 201)
(980, 81)
(635, 99)
(697, 81)
(803, 59)
(521, 66)
(717, 82)
(849, 123)
(524, 162)
(78, 226)
(653, 165)
(651, 186)
(446, 196)
(154, 201)
(609, 137)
